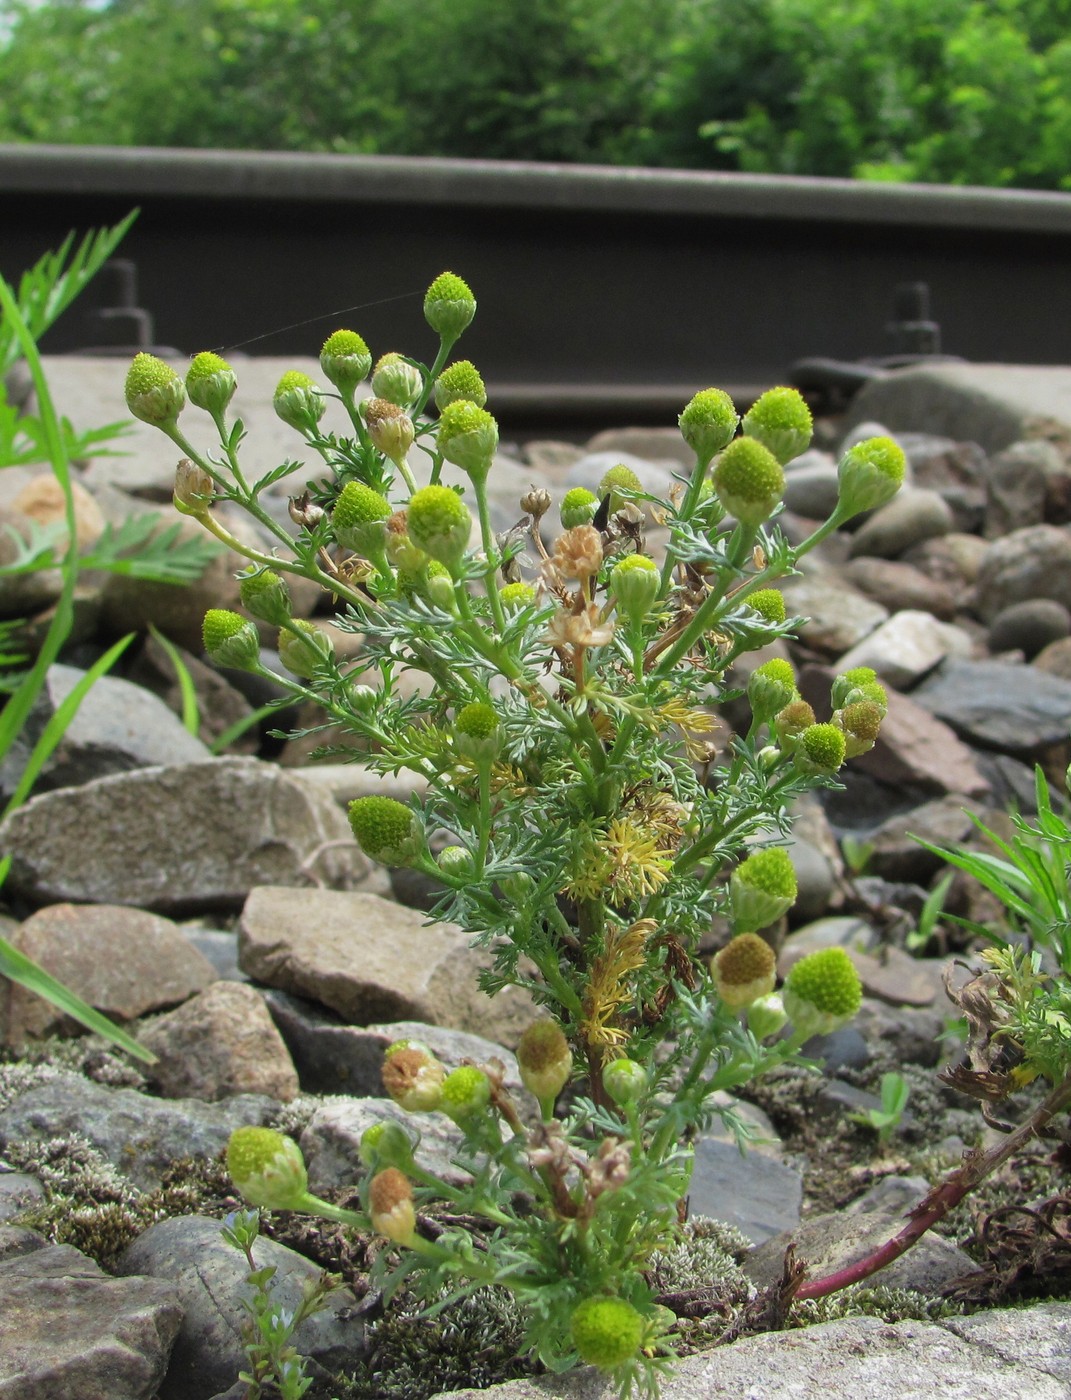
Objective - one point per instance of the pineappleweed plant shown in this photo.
(591, 802)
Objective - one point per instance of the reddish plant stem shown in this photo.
(943, 1198)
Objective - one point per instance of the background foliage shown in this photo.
(933, 90)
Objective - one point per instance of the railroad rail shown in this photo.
(606, 294)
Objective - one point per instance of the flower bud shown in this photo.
(615, 481)
(413, 1077)
(761, 889)
(870, 474)
(624, 1080)
(359, 519)
(449, 306)
(440, 524)
(455, 861)
(439, 587)
(744, 970)
(749, 481)
(578, 507)
(304, 647)
(708, 423)
(766, 1016)
(231, 640)
(544, 1059)
(390, 428)
(859, 723)
(345, 360)
(476, 731)
(770, 688)
(396, 380)
(634, 582)
(822, 992)
(606, 1331)
(516, 596)
(265, 595)
(267, 1168)
(194, 489)
(210, 383)
(298, 402)
(386, 830)
(461, 380)
(362, 699)
(847, 681)
(466, 1092)
(390, 1206)
(386, 1144)
(820, 749)
(468, 437)
(781, 421)
(154, 392)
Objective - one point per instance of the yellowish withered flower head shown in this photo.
(583, 629)
(781, 421)
(267, 1168)
(545, 1059)
(744, 970)
(606, 1331)
(390, 1206)
(390, 428)
(449, 306)
(791, 722)
(210, 382)
(194, 489)
(413, 1077)
(154, 392)
(578, 553)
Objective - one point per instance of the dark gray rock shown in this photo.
(332, 1138)
(1039, 1336)
(1024, 485)
(139, 1136)
(913, 515)
(69, 1332)
(898, 585)
(17, 1191)
(1018, 710)
(758, 1194)
(209, 1277)
(1029, 626)
(1030, 563)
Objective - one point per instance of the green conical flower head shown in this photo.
(769, 603)
(396, 380)
(708, 423)
(386, 1144)
(468, 437)
(870, 475)
(822, 992)
(359, 519)
(770, 688)
(578, 507)
(230, 639)
(298, 402)
(449, 306)
(606, 1331)
(461, 380)
(850, 680)
(781, 421)
(545, 1060)
(440, 524)
(386, 830)
(516, 596)
(466, 1091)
(820, 749)
(476, 731)
(634, 582)
(616, 480)
(761, 889)
(744, 970)
(303, 648)
(210, 382)
(154, 392)
(749, 481)
(265, 595)
(267, 1168)
(345, 360)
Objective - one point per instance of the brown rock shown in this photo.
(123, 962)
(916, 749)
(221, 1042)
(42, 499)
(898, 585)
(1056, 659)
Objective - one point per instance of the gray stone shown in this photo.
(892, 1195)
(208, 1275)
(1039, 1336)
(218, 945)
(910, 1034)
(69, 1332)
(220, 704)
(837, 931)
(1024, 484)
(815, 879)
(812, 486)
(221, 1042)
(117, 727)
(954, 559)
(371, 960)
(155, 838)
(17, 1191)
(913, 515)
(1055, 659)
(906, 647)
(758, 1194)
(655, 478)
(897, 585)
(1019, 710)
(896, 854)
(1029, 626)
(123, 962)
(662, 445)
(838, 616)
(139, 1135)
(1030, 563)
(331, 1141)
(992, 405)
